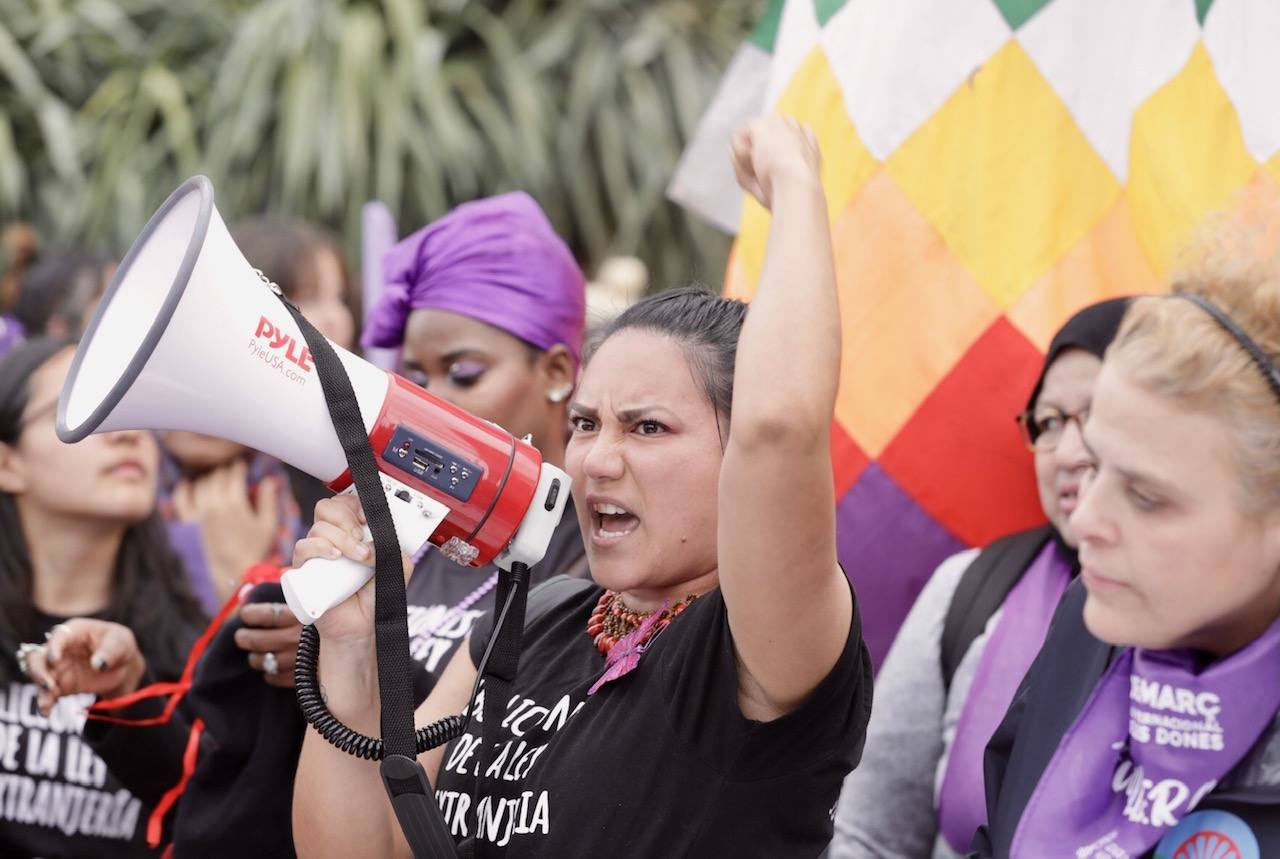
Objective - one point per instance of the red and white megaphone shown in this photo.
(189, 336)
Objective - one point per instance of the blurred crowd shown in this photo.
(137, 541)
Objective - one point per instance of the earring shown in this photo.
(559, 395)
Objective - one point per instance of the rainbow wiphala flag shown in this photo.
(991, 166)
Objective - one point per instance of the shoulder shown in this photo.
(942, 585)
(550, 605)
(560, 594)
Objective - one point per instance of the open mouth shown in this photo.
(610, 523)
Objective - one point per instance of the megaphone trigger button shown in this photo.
(553, 495)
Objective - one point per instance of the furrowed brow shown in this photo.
(630, 416)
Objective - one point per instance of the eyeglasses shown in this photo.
(1042, 428)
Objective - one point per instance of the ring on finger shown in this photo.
(276, 610)
(23, 653)
(270, 665)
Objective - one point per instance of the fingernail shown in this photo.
(362, 550)
(334, 553)
(358, 534)
(98, 663)
(50, 657)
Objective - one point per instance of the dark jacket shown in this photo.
(239, 799)
(1050, 698)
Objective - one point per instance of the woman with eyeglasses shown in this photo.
(84, 559)
(1149, 724)
(972, 634)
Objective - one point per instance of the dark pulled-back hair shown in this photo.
(285, 250)
(705, 325)
(59, 287)
(149, 593)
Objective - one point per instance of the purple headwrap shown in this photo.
(11, 334)
(497, 260)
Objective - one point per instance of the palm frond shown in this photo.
(311, 107)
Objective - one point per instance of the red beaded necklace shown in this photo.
(611, 620)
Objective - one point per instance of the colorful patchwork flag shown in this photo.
(991, 166)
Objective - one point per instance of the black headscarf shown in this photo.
(1091, 329)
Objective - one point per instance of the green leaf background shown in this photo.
(313, 107)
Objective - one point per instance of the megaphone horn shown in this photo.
(189, 336)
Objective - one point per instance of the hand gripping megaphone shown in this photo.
(189, 336)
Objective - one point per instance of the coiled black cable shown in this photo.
(317, 714)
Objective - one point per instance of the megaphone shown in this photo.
(189, 336)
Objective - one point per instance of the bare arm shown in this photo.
(789, 605)
(340, 808)
(339, 805)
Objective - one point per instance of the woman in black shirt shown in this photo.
(79, 538)
(708, 507)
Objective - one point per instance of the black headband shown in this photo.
(1265, 364)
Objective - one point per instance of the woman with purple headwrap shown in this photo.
(487, 306)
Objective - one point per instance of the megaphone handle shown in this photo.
(320, 584)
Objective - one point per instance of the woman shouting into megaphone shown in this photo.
(706, 695)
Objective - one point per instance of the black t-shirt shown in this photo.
(57, 797)
(237, 801)
(660, 762)
(438, 585)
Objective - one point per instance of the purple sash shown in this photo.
(1012, 647)
(11, 334)
(1154, 739)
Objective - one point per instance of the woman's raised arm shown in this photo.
(789, 606)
